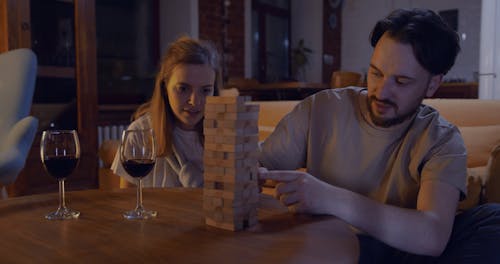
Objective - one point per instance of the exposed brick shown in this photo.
(211, 28)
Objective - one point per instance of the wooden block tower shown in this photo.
(230, 193)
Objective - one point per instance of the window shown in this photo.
(271, 40)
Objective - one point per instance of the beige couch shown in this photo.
(477, 120)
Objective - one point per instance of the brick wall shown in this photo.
(212, 25)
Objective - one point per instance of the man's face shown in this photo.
(397, 83)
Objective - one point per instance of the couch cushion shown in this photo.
(479, 141)
(468, 112)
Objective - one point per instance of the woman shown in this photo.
(189, 73)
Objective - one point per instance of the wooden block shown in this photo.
(233, 116)
(220, 108)
(239, 192)
(224, 147)
(250, 147)
(253, 173)
(237, 124)
(250, 162)
(237, 224)
(238, 139)
(253, 199)
(213, 154)
(230, 174)
(226, 226)
(210, 202)
(250, 130)
(243, 116)
(253, 220)
(209, 108)
(209, 123)
(224, 155)
(210, 139)
(229, 186)
(223, 132)
(218, 177)
(230, 163)
(233, 108)
(252, 108)
(213, 170)
(236, 196)
(229, 214)
(232, 171)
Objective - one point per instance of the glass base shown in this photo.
(139, 214)
(63, 214)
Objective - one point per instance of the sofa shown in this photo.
(477, 120)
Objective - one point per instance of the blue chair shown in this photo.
(17, 128)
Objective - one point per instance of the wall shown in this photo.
(358, 19)
(202, 19)
(177, 18)
(489, 79)
(306, 24)
(181, 17)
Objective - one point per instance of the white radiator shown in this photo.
(109, 132)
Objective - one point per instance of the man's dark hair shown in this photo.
(435, 44)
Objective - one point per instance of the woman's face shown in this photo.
(187, 89)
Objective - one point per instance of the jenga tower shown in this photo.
(231, 194)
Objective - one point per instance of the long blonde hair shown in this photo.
(184, 50)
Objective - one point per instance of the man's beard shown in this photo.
(398, 119)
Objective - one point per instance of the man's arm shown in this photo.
(425, 230)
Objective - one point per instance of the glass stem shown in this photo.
(62, 197)
(139, 194)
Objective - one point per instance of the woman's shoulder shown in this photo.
(142, 122)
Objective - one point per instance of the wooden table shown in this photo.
(457, 90)
(282, 90)
(177, 235)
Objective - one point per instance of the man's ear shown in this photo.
(434, 84)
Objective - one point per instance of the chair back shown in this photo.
(342, 79)
(17, 83)
(17, 129)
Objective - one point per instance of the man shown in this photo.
(377, 158)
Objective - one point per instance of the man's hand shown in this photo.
(299, 191)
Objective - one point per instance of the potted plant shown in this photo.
(300, 58)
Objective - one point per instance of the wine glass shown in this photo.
(138, 156)
(60, 153)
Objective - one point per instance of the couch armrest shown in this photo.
(107, 179)
(107, 152)
(492, 185)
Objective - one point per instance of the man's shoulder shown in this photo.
(431, 125)
(335, 96)
(428, 114)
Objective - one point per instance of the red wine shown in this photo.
(138, 167)
(60, 167)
